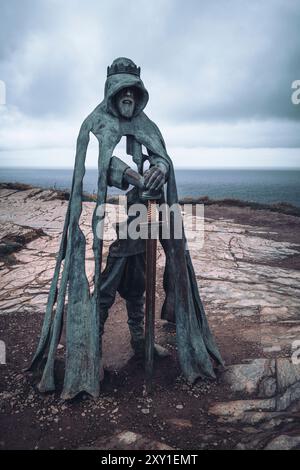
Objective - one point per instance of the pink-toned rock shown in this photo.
(247, 377)
(128, 440)
(180, 423)
(237, 408)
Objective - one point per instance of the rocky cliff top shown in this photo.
(249, 277)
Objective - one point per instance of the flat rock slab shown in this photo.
(274, 385)
(287, 373)
(249, 281)
(284, 442)
(238, 266)
(251, 376)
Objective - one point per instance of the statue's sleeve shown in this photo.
(116, 172)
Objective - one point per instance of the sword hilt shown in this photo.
(151, 210)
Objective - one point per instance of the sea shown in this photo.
(255, 185)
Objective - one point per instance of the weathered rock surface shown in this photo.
(274, 385)
(15, 237)
(249, 281)
(255, 377)
(238, 269)
(276, 378)
(25, 217)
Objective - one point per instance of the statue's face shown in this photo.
(125, 101)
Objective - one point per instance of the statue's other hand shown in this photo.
(154, 178)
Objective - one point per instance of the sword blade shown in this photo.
(151, 247)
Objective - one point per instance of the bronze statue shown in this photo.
(120, 114)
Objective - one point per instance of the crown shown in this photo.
(120, 67)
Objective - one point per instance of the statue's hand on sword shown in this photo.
(155, 177)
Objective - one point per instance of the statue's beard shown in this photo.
(126, 108)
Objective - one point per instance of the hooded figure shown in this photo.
(86, 312)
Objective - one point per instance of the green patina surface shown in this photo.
(196, 345)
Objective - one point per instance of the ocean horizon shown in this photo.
(268, 186)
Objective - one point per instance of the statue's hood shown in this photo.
(115, 83)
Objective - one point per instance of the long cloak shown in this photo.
(195, 343)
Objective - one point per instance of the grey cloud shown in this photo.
(16, 18)
(224, 61)
(236, 60)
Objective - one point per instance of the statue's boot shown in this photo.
(139, 349)
(135, 312)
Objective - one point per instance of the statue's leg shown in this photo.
(132, 289)
(110, 279)
(135, 311)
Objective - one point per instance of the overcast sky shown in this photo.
(219, 74)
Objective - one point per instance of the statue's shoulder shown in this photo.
(99, 119)
(95, 118)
